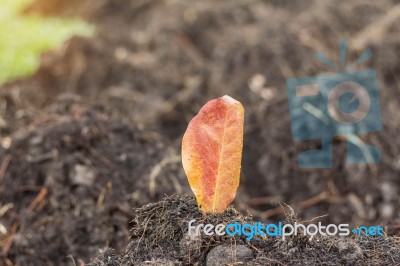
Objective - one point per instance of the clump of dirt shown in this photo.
(159, 233)
(72, 180)
(157, 225)
(160, 237)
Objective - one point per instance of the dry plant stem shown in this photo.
(10, 239)
(4, 165)
(376, 31)
(302, 205)
(157, 170)
(263, 201)
(39, 198)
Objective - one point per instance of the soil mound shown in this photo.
(159, 237)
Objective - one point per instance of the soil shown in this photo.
(72, 181)
(96, 131)
(160, 237)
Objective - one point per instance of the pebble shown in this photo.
(82, 175)
(223, 255)
(349, 251)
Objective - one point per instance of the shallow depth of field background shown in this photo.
(96, 95)
(24, 37)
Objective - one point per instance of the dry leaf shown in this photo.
(212, 153)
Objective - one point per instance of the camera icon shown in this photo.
(337, 104)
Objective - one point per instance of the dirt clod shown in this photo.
(159, 233)
(349, 251)
(223, 255)
(82, 175)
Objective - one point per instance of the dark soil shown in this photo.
(159, 237)
(97, 130)
(73, 180)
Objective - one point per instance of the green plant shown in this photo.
(24, 37)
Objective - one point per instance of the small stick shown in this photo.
(315, 218)
(157, 170)
(302, 205)
(253, 247)
(314, 200)
(190, 48)
(39, 198)
(4, 165)
(102, 196)
(99, 157)
(377, 30)
(9, 240)
(262, 201)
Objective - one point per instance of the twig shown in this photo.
(157, 169)
(263, 201)
(354, 139)
(102, 196)
(73, 261)
(39, 198)
(261, 252)
(358, 206)
(10, 239)
(253, 247)
(375, 31)
(302, 205)
(41, 158)
(312, 201)
(99, 157)
(4, 165)
(315, 218)
(7, 262)
(190, 48)
(72, 258)
(4, 209)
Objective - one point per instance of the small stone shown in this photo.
(190, 246)
(82, 175)
(223, 255)
(389, 191)
(396, 163)
(386, 210)
(350, 252)
(36, 140)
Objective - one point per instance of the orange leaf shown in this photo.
(212, 153)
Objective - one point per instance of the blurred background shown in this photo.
(96, 95)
